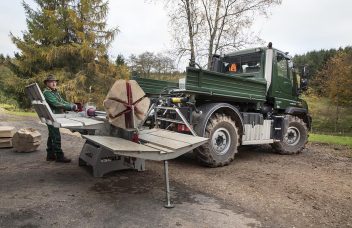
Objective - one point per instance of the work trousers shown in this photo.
(54, 142)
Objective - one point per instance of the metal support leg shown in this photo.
(166, 172)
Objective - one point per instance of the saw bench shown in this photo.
(116, 140)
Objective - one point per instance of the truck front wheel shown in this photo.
(223, 141)
(294, 139)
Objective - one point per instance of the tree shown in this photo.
(2, 59)
(185, 15)
(147, 63)
(214, 25)
(163, 64)
(337, 76)
(120, 60)
(68, 38)
(316, 62)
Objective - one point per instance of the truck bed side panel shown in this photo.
(152, 86)
(219, 84)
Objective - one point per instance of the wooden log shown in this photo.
(124, 98)
(5, 142)
(7, 131)
(26, 140)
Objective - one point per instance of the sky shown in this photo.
(295, 26)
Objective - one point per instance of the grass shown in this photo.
(13, 110)
(331, 139)
(323, 114)
(21, 113)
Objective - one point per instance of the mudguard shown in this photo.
(302, 113)
(209, 109)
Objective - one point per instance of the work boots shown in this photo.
(51, 157)
(57, 158)
(63, 159)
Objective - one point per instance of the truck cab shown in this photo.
(269, 65)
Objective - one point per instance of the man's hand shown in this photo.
(74, 107)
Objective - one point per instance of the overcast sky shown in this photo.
(296, 26)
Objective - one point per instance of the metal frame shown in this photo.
(184, 120)
(166, 166)
(104, 161)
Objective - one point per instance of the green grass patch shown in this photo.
(323, 113)
(21, 113)
(331, 139)
(13, 110)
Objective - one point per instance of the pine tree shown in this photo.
(70, 39)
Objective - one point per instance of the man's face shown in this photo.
(51, 84)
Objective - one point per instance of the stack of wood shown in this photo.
(26, 140)
(6, 134)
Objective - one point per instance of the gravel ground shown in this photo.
(259, 189)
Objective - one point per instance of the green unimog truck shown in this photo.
(247, 97)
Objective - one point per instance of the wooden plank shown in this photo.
(118, 144)
(7, 131)
(86, 121)
(164, 142)
(64, 122)
(174, 135)
(148, 131)
(5, 140)
(6, 144)
(162, 149)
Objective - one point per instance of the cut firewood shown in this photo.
(7, 131)
(5, 142)
(26, 140)
(126, 104)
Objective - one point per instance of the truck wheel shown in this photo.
(223, 141)
(295, 138)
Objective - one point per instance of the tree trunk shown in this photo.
(213, 34)
(337, 113)
(190, 33)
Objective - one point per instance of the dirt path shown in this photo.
(259, 189)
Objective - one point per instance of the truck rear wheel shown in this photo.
(223, 141)
(294, 139)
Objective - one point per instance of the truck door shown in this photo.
(284, 77)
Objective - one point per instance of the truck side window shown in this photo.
(282, 67)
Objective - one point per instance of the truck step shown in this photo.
(277, 128)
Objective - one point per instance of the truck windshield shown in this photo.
(248, 63)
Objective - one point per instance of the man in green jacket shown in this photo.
(58, 105)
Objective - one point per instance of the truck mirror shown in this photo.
(291, 65)
(305, 72)
(303, 84)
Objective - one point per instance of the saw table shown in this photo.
(110, 148)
